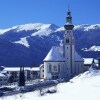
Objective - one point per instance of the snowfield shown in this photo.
(23, 41)
(93, 48)
(83, 87)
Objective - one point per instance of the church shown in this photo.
(63, 62)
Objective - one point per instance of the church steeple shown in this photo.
(69, 25)
(69, 18)
(69, 43)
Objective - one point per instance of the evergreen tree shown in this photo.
(99, 62)
(21, 77)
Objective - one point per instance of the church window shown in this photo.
(64, 68)
(59, 67)
(69, 31)
(55, 68)
(49, 69)
(67, 40)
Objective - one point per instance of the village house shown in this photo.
(12, 73)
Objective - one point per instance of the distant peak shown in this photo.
(87, 27)
(32, 26)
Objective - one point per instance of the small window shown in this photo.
(49, 69)
(59, 67)
(55, 68)
(67, 40)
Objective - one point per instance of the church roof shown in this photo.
(55, 54)
(78, 57)
(88, 61)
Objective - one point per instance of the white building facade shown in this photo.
(3, 79)
(63, 61)
(13, 73)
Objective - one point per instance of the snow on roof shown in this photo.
(78, 57)
(35, 69)
(88, 60)
(18, 68)
(55, 54)
(12, 69)
(96, 61)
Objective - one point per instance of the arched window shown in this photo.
(55, 69)
(49, 68)
(67, 40)
(64, 67)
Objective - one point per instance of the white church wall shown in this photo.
(42, 71)
(79, 67)
(56, 67)
(73, 59)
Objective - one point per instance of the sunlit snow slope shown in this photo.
(83, 87)
(34, 40)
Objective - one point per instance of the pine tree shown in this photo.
(21, 77)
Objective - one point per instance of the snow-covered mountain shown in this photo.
(83, 87)
(93, 48)
(27, 45)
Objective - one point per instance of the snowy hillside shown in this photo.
(83, 87)
(33, 41)
(87, 27)
(23, 41)
(93, 48)
(28, 27)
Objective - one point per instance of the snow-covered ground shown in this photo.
(83, 87)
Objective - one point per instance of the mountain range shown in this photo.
(27, 45)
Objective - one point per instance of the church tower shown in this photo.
(63, 61)
(69, 45)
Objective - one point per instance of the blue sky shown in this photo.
(16, 12)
